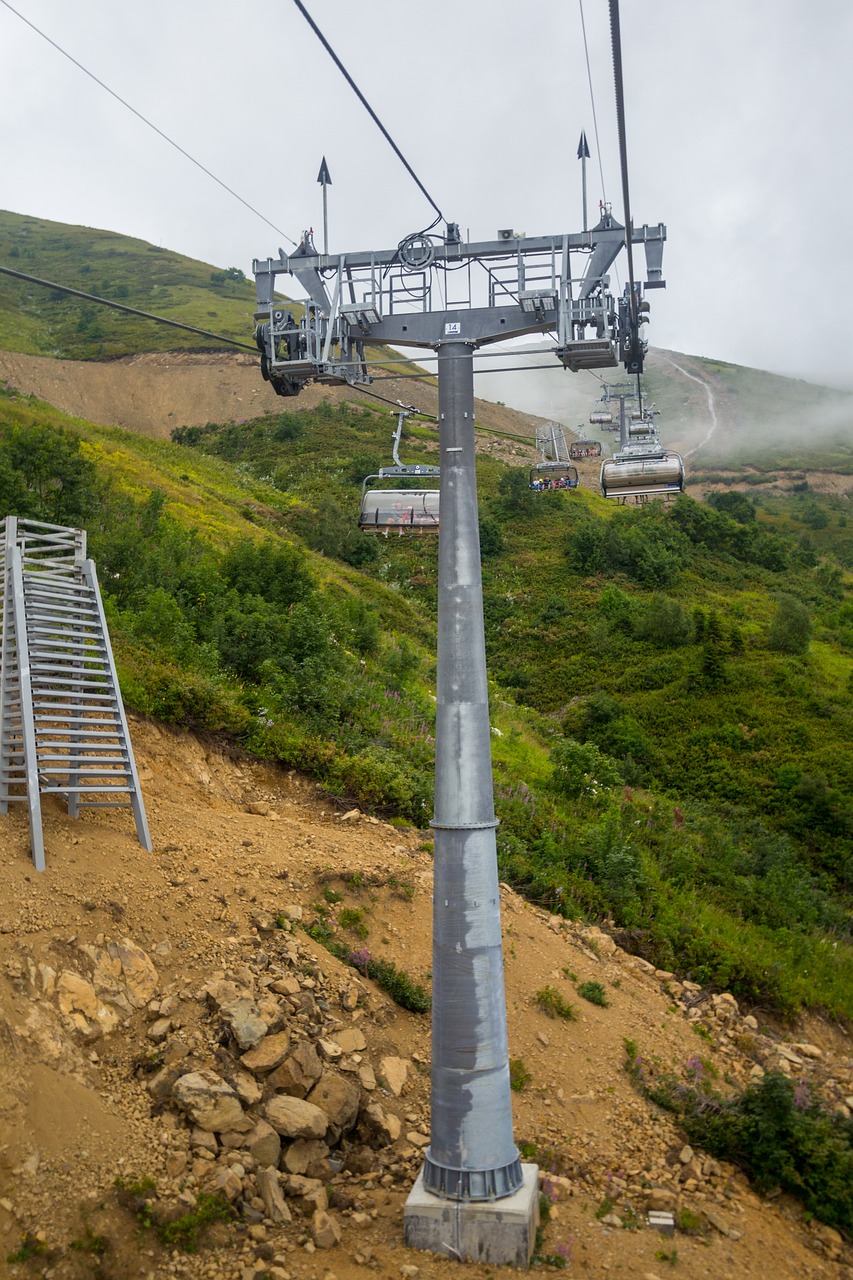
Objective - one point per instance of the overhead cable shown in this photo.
(374, 117)
(150, 123)
(120, 306)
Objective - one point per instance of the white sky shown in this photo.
(738, 115)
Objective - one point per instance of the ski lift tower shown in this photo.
(473, 1197)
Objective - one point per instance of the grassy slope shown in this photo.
(767, 422)
(35, 321)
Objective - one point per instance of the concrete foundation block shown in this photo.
(500, 1232)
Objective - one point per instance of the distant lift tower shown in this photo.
(420, 294)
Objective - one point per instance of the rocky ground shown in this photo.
(173, 1041)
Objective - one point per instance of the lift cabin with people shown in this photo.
(555, 470)
(583, 447)
(400, 509)
(642, 469)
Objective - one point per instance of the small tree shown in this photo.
(514, 488)
(791, 628)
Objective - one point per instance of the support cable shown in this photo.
(120, 306)
(374, 117)
(145, 120)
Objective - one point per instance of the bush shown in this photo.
(778, 1132)
(594, 992)
(276, 571)
(44, 475)
(517, 498)
(553, 1005)
(580, 769)
(491, 537)
(644, 544)
(665, 623)
(519, 1076)
(791, 628)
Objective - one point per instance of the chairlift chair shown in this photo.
(553, 475)
(585, 448)
(601, 418)
(641, 472)
(401, 509)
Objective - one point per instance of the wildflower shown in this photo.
(359, 959)
(802, 1095)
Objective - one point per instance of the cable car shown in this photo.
(553, 475)
(641, 472)
(584, 448)
(401, 509)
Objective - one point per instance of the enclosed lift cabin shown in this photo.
(555, 470)
(642, 469)
(401, 508)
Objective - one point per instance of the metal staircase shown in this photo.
(63, 729)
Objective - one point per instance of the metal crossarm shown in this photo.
(63, 730)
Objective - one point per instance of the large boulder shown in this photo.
(299, 1072)
(395, 1072)
(307, 1156)
(264, 1145)
(296, 1118)
(325, 1231)
(380, 1126)
(243, 1019)
(210, 1102)
(272, 1196)
(267, 1054)
(340, 1100)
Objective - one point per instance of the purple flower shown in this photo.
(802, 1095)
(359, 959)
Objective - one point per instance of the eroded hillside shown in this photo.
(164, 1016)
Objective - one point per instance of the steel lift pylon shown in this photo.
(420, 294)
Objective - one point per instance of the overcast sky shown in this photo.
(738, 118)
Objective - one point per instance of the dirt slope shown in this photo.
(118, 974)
(154, 393)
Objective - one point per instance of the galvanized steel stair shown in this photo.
(63, 729)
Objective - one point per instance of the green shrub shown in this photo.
(594, 992)
(580, 769)
(183, 1233)
(552, 1003)
(30, 1247)
(403, 989)
(665, 623)
(519, 1076)
(777, 1130)
(791, 628)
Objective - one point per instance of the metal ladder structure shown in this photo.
(63, 730)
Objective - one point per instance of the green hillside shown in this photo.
(39, 321)
(671, 696)
(671, 689)
(765, 422)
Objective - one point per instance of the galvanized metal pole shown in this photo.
(472, 1155)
